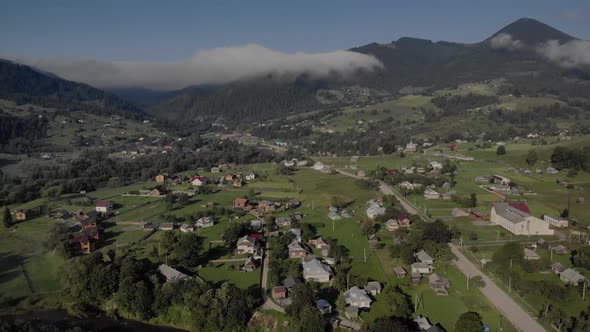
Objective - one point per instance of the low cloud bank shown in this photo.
(575, 53)
(212, 66)
(572, 54)
(505, 41)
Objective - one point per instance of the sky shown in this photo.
(173, 44)
(126, 30)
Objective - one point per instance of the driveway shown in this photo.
(504, 303)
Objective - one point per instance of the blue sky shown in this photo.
(170, 30)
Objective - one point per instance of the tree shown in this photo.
(389, 324)
(473, 200)
(469, 322)
(531, 158)
(400, 304)
(7, 218)
(581, 257)
(187, 250)
(501, 150)
(233, 233)
(368, 227)
(310, 320)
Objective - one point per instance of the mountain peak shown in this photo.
(532, 32)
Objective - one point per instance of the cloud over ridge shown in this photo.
(211, 66)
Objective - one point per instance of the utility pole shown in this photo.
(365, 255)
(333, 226)
(468, 277)
(498, 235)
(510, 284)
(584, 291)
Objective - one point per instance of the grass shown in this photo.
(222, 272)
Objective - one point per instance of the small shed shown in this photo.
(399, 272)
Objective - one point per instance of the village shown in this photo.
(306, 224)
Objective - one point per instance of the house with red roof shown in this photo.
(103, 206)
(198, 180)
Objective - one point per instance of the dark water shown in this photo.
(94, 322)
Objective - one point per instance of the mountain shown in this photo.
(24, 84)
(144, 97)
(407, 62)
(532, 32)
(242, 101)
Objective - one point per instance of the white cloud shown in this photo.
(574, 53)
(212, 66)
(505, 41)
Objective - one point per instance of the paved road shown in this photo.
(268, 303)
(504, 303)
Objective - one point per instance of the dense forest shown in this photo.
(27, 129)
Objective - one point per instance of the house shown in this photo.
(422, 268)
(198, 181)
(292, 203)
(279, 292)
(229, 177)
(453, 147)
(431, 194)
(410, 147)
(237, 183)
(246, 245)
(423, 257)
(205, 222)
(560, 250)
(157, 191)
(351, 312)
(256, 224)
(515, 218)
(241, 203)
(319, 243)
(415, 277)
(166, 226)
(161, 178)
(314, 270)
(103, 206)
(556, 221)
(334, 216)
(436, 165)
(323, 306)
(399, 272)
(290, 282)
(373, 288)
(557, 268)
(297, 233)
(83, 243)
(186, 228)
(172, 275)
(357, 297)
(89, 223)
(250, 265)
(20, 215)
(500, 179)
(250, 177)
(283, 221)
(571, 277)
(215, 170)
(438, 284)
(551, 170)
(392, 225)
(531, 255)
(403, 221)
(296, 250)
(374, 209)
(406, 185)
(266, 206)
(373, 240)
